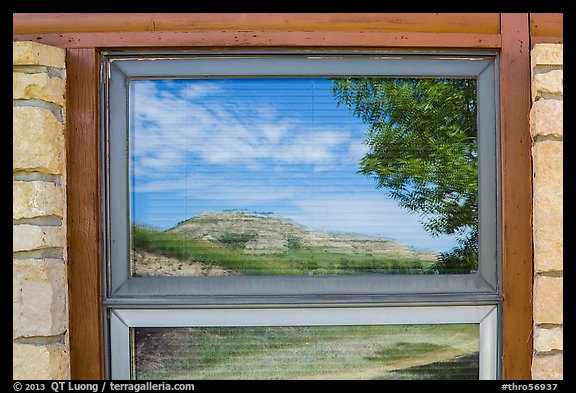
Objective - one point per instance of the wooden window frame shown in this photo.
(85, 36)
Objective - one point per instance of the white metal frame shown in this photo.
(122, 320)
(120, 70)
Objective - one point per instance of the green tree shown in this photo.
(422, 148)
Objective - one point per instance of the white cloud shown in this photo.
(357, 149)
(171, 127)
(373, 214)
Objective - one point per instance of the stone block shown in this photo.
(547, 54)
(548, 206)
(47, 362)
(37, 86)
(38, 297)
(546, 118)
(548, 339)
(549, 83)
(36, 199)
(34, 53)
(33, 237)
(548, 300)
(37, 140)
(549, 366)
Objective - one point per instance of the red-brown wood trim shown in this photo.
(516, 197)
(83, 215)
(82, 146)
(234, 38)
(545, 40)
(484, 23)
(546, 25)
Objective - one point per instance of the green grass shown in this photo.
(297, 260)
(305, 352)
(403, 350)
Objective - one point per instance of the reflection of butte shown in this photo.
(270, 233)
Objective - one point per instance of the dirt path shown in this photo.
(147, 264)
(440, 355)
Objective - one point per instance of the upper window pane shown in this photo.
(303, 176)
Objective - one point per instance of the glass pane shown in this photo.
(317, 352)
(303, 176)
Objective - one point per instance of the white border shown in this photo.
(120, 70)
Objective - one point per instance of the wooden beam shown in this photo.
(546, 25)
(546, 28)
(480, 23)
(83, 215)
(223, 39)
(545, 40)
(517, 251)
(477, 30)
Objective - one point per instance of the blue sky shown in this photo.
(267, 145)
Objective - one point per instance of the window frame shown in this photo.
(123, 321)
(121, 67)
(510, 37)
(432, 298)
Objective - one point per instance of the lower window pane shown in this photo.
(308, 352)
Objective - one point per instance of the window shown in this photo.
(309, 202)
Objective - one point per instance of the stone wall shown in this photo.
(546, 127)
(40, 323)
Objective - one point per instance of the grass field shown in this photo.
(297, 260)
(327, 352)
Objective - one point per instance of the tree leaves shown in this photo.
(423, 150)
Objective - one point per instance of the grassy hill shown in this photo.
(243, 243)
